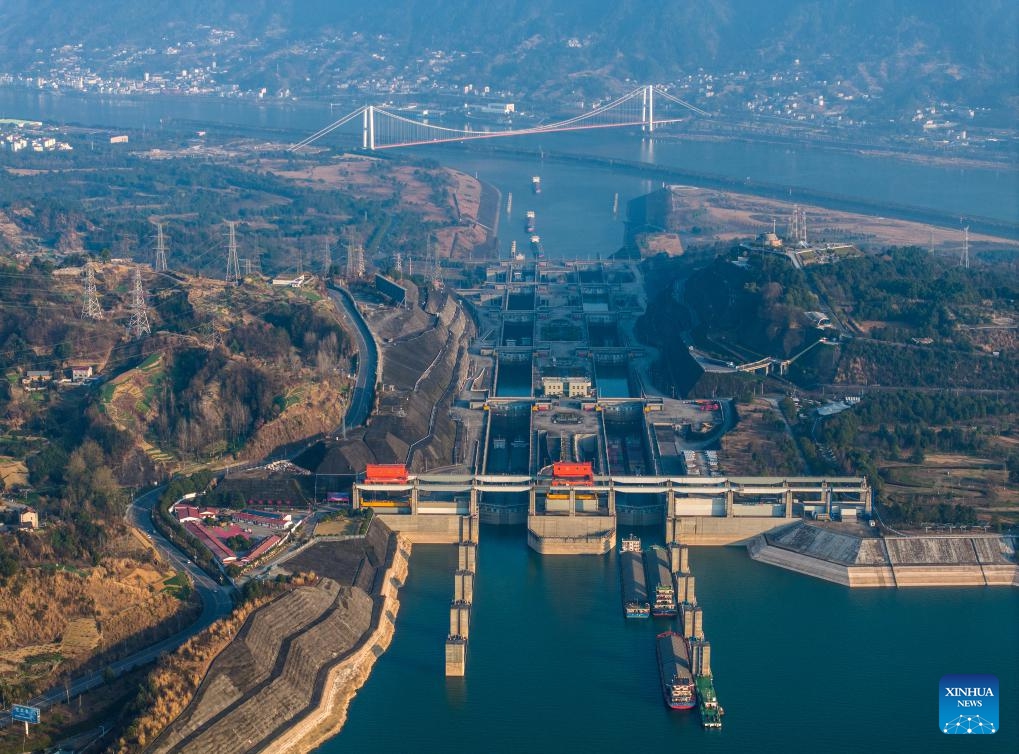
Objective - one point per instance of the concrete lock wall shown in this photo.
(700, 530)
(424, 529)
(571, 535)
(643, 516)
(504, 515)
(699, 506)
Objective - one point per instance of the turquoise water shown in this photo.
(800, 664)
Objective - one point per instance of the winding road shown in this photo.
(367, 360)
(217, 601)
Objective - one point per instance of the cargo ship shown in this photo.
(678, 687)
(631, 566)
(529, 220)
(536, 183)
(659, 578)
(536, 247)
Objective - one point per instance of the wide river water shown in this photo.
(801, 665)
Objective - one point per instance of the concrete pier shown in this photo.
(686, 618)
(460, 619)
(463, 596)
(701, 657)
(456, 656)
(463, 586)
(686, 588)
(467, 556)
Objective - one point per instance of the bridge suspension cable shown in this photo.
(383, 129)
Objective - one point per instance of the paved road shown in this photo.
(217, 601)
(367, 361)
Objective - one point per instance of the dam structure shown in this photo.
(556, 430)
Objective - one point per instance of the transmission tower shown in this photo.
(398, 264)
(233, 268)
(355, 257)
(797, 231)
(436, 266)
(139, 324)
(160, 249)
(91, 308)
(965, 247)
(327, 256)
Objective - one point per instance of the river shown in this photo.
(801, 665)
(991, 192)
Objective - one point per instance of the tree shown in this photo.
(1012, 464)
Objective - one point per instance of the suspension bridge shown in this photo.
(382, 129)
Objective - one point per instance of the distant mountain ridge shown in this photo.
(520, 44)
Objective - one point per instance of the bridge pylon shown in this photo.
(368, 128)
(647, 113)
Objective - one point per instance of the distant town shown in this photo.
(789, 100)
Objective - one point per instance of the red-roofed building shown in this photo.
(222, 553)
(185, 512)
(263, 547)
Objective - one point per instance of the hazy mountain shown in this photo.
(521, 44)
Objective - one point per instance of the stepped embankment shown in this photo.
(856, 561)
(285, 681)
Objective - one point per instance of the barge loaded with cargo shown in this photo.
(659, 578)
(678, 687)
(631, 566)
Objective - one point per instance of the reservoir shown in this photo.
(800, 665)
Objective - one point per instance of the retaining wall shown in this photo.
(891, 561)
(711, 530)
(571, 535)
(421, 530)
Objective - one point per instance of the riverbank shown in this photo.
(345, 679)
(304, 655)
(857, 561)
(704, 215)
(765, 189)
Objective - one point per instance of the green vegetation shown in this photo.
(912, 319)
(238, 543)
(890, 429)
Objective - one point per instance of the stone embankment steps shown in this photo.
(250, 659)
(889, 561)
(286, 678)
(253, 722)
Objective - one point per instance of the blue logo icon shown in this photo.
(968, 704)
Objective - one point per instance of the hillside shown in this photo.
(595, 45)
